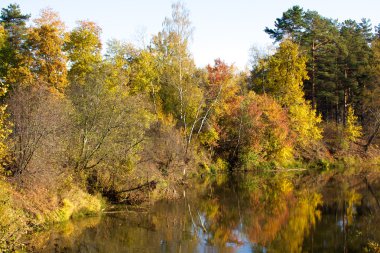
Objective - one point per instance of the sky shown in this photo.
(224, 29)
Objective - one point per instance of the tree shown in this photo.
(144, 74)
(2, 44)
(2, 36)
(290, 26)
(5, 131)
(136, 68)
(354, 59)
(219, 91)
(119, 55)
(179, 92)
(46, 41)
(317, 36)
(83, 49)
(352, 130)
(40, 126)
(371, 95)
(372, 112)
(285, 72)
(14, 54)
(256, 130)
(179, 23)
(321, 35)
(377, 30)
(109, 129)
(338, 59)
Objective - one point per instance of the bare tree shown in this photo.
(40, 119)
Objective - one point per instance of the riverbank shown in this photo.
(27, 213)
(29, 210)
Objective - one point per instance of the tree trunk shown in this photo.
(313, 99)
(372, 137)
(345, 104)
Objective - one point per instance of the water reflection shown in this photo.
(239, 213)
(351, 218)
(269, 218)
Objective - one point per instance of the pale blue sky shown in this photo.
(223, 28)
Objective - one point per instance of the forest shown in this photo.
(84, 124)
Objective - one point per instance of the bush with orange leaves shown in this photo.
(255, 131)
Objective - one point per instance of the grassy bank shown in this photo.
(22, 212)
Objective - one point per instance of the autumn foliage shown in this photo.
(256, 130)
(143, 118)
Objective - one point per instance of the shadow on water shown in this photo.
(232, 213)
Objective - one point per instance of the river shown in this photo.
(234, 213)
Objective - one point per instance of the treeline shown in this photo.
(342, 64)
(76, 123)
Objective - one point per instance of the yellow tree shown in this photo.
(285, 72)
(2, 44)
(4, 126)
(179, 80)
(83, 47)
(46, 41)
(2, 36)
(144, 75)
(352, 130)
(135, 68)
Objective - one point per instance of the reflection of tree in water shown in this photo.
(350, 218)
(46, 241)
(267, 212)
(302, 218)
(138, 231)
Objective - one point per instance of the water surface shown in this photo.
(243, 213)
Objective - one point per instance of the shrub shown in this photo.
(13, 222)
(75, 203)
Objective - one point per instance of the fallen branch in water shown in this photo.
(271, 170)
(151, 185)
(286, 170)
(124, 211)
